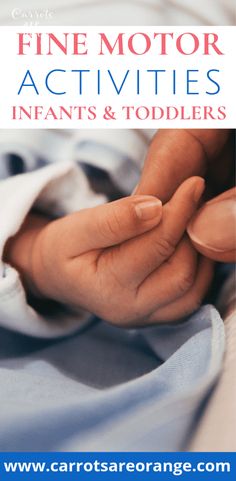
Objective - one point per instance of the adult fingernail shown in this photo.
(198, 189)
(148, 209)
(214, 226)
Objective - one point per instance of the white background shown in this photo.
(14, 67)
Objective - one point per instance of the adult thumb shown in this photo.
(212, 229)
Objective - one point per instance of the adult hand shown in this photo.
(175, 155)
(213, 228)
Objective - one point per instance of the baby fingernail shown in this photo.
(148, 209)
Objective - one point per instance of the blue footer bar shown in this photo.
(117, 466)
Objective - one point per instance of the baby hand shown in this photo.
(117, 260)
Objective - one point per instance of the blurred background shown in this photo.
(115, 12)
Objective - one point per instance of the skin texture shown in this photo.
(174, 156)
(128, 261)
(213, 228)
(128, 268)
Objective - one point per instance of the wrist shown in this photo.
(21, 249)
